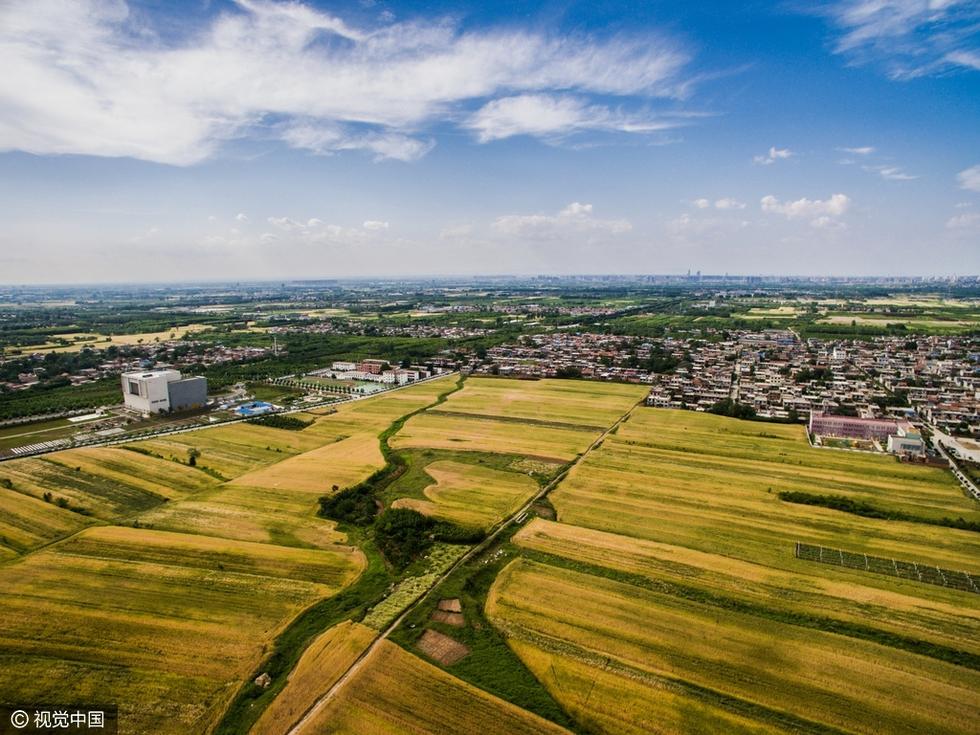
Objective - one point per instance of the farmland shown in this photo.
(781, 667)
(675, 524)
(471, 495)
(171, 610)
(167, 627)
(545, 419)
(396, 692)
(664, 596)
(326, 659)
(576, 403)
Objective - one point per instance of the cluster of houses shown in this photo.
(387, 330)
(372, 370)
(780, 376)
(167, 354)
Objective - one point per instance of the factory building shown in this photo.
(158, 391)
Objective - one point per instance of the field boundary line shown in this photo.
(478, 549)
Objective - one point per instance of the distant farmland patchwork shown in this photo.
(665, 597)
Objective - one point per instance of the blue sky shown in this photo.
(212, 140)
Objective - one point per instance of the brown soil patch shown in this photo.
(441, 647)
(451, 604)
(450, 618)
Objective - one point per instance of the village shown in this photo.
(772, 372)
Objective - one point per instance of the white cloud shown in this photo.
(910, 37)
(774, 154)
(969, 178)
(75, 82)
(968, 221)
(723, 203)
(688, 228)
(890, 173)
(822, 213)
(575, 219)
(317, 231)
(866, 150)
(555, 116)
(455, 232)
(241, 217)
(827, 223)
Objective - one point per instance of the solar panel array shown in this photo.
(926, 573)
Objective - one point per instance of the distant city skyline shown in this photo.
(219, 140)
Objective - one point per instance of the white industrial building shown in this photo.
(158, 391)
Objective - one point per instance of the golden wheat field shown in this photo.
(323, 662)
(471, 495)
(578, 403)
(343, 463)
(166, 629)
(168, 614)
(605, 700)
(905, 608)
(397, 693)
(696, 495)
(464, 433)
(814, 676)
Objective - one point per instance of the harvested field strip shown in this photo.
(26, 523)
(334, 568)
(945, 630)
(488, 435)
(322, 664)
(471, 495)
(342, 463)
(396, 693)
(566, 402)
(611, 698)
(515, 420)
(806, 674)
(919, 571)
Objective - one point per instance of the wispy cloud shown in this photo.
(575, 219)
(772, 155)
(723, 203)
(968, 221)
(969, 178)
(556, 116)
(911, 38)
(865, 150)
(890, 173)
(82, 76)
